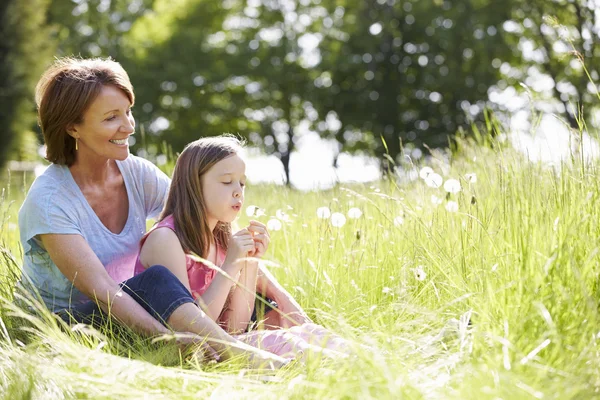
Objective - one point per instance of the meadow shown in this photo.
(473, 277)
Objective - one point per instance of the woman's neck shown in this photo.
(86, 173)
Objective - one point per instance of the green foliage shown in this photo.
(559, 39)
(25, 48)
(410, 70)
(404, 279)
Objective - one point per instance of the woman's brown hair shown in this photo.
(186, 201)
(64, 93)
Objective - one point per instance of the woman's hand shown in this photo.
(241, 245)
(261, 237)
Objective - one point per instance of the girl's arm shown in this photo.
(215, 296)
(162, 247)
(268, 286)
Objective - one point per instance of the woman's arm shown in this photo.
(76, 260)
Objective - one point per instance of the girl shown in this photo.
(205, 197)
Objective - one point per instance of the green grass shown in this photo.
(520, 259)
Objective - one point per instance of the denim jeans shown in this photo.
(156, 289)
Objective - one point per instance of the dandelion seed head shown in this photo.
(354, 213)
(425, 172)
(452, 186)
(471, 178)
(254, 211)
(420, 274)
(282, 215)
(451, 206)
(274, 224)
(436, 201)
(323, 212)
(434, 180)
(398, 221)
(338, 219)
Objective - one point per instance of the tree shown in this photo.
(409, 72)
(94, 28)
(25, 48)
(554, 39)
(236, 68)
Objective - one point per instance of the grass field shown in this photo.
(489, 292)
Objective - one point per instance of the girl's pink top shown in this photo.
(199, 275)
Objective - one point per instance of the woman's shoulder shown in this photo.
(47, 185)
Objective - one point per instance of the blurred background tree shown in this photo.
(357, 73)
(552, 40)
(410, 71)
(25, 49)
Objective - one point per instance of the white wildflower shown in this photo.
(387, 290)
(398, 221)
(338, 220)
(452, 206)
(420, 274)
(425, 172)
(436, 201)
(354, 213)
(434, 180)
(452, 186)
(254, 211)
(323, 212)
(274, 224)
(471, 178)
(282, 216)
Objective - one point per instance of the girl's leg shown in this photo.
(161, 293)
(238, 309)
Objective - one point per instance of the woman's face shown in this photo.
(106, 127)
(223, 189)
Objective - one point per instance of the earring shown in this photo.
(76, 144)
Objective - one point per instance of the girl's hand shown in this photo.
(241, 245)
(261, 238)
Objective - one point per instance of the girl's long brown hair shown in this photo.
(186, 201)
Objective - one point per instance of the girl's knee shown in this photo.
(158, 272)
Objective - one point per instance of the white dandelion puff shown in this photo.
(420, 274)
(354, 213)
(387, 290)
(254, 211)
(451, 206)
(338, 219)
(323, 212)
(434, 180)
(436, 201)
(274, 224)
(471, 178)
(425, 172)
(452, 186)
(282, 216)
(398, 221)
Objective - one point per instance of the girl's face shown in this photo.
(223, 189)
(106, 126)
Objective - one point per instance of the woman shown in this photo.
(89, 208)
